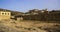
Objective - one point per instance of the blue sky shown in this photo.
(25, 5)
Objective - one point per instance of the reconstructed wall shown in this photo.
(5, 15)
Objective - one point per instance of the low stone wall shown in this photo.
(20, 18)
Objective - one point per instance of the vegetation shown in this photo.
(51, 16)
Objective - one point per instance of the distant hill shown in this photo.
(53, 15)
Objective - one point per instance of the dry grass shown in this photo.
(28, 26)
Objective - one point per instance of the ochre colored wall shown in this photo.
(5, 15)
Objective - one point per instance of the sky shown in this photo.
(25, 5)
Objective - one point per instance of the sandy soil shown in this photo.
(29, 26)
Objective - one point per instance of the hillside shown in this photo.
(53, 15)
(47, 22)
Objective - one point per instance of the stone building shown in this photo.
(5, 15)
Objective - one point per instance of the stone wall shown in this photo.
(5, 15)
